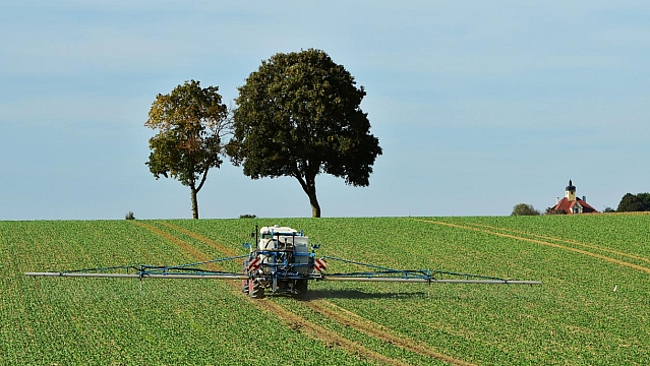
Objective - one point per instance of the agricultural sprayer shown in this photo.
(282, 260)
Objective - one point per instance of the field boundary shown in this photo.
(340, 315)
(541, 242)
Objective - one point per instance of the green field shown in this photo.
(592, 309)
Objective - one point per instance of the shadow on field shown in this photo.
(356, 294)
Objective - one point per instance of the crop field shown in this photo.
(592, 309)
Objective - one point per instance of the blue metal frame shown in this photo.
(144, 270)
(282, 271)
(286, 273)
(386, 272)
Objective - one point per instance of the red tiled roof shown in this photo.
(566, 206)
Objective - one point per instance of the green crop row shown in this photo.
(591, 309)
(63, 321)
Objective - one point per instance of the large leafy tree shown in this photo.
(191, 122)
(299, 115)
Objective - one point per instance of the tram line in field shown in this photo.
(517, 235)
(331, 311)
(567, 241)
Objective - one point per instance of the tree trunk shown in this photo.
(195, 204)
(310, 189)
(194, 190)
(315, 207)
(309, 186)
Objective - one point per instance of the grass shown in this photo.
(592, 308)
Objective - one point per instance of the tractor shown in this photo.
(282, 260)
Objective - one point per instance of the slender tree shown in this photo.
(191, 122)
(299, 115)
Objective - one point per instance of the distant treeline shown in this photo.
(634, 202)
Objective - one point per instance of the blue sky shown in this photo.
(477, 105)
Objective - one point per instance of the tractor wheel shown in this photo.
(244, 283)
(300, 287)
(255, 289)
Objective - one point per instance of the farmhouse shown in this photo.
(571, 204)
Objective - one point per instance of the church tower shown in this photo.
(571, 204)
(570, 193)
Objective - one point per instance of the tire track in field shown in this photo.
(188, 248)
(343, 316)
(567, 241)
(541, 242)
(204, 239)
(376, 330)
(295, 321)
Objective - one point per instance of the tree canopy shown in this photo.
(637, 202)
(299, 115)
(524, 209)
(191, 122)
